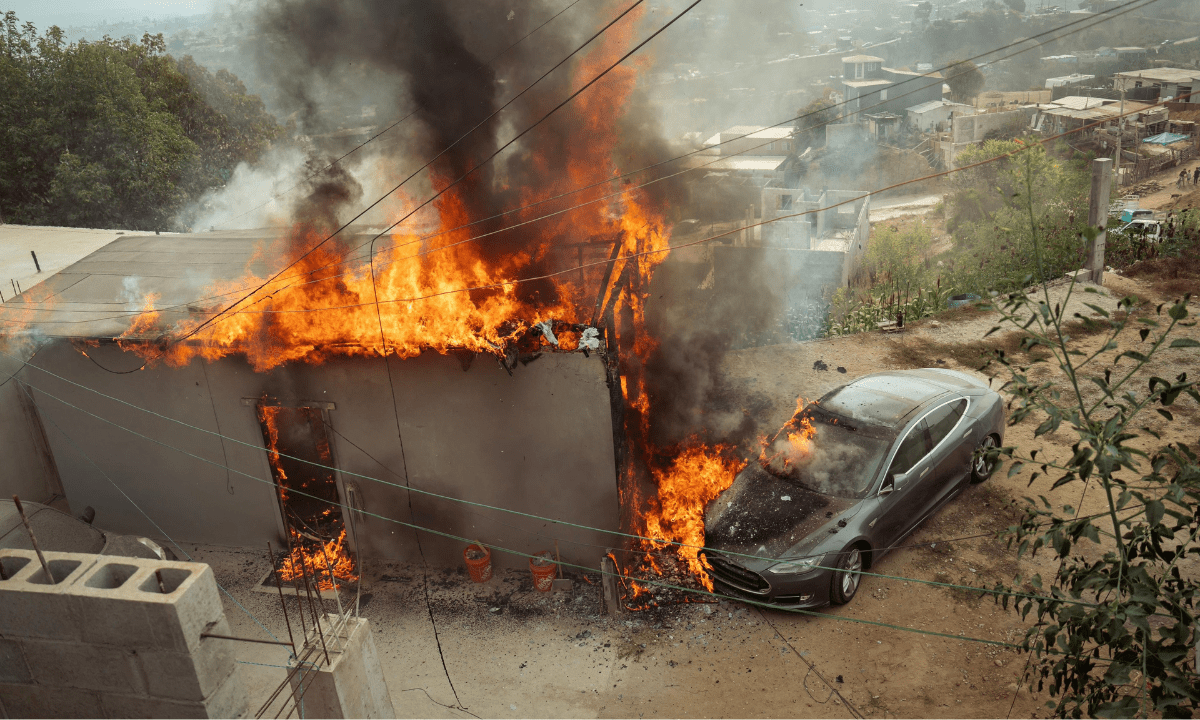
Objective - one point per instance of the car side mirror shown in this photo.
(890, 484)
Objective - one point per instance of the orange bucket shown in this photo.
(479, 562)
(544, 569)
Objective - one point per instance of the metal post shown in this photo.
(1098, 218)
(282, 602)
(35, 262)
(312, 606)
(33, 541)
(333, 580)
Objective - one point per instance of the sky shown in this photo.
(87, 12)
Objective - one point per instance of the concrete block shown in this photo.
(353, 685)
(29, 606)
(227, 701)
(189, 676)
(12, 663)
(40, 701)
(117, 705)
(118, 602)
(79, 665)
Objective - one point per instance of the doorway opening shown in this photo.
(308, 494)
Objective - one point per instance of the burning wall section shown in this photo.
(539, 441)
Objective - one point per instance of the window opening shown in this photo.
(914, 447)
(308, 495)
(943, 419)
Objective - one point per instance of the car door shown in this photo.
(950, 459)
(898, 510)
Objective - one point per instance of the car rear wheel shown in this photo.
(846, 578)
(981, 466)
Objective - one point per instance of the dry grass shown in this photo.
(919, 352)
(1170, 277)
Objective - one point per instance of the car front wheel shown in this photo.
(981, 465)
(846, 578)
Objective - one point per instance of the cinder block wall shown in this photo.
(105, 641)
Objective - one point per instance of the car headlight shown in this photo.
(795, 566)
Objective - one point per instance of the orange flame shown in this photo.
(313, 562)
(446, 292)
(697, 475)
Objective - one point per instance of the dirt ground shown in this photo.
(513, 652)
(507, 650)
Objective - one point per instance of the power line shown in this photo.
(443, 152)
(516, 512)
(143, 512)
(646, 253)
(377, 135)
(1091, 18)
(647, 581)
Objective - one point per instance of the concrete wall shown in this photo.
(973, 128)
(28, 469)
(539, 442)
(105, 640)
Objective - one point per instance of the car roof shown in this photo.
(55, 531)
(887, 398)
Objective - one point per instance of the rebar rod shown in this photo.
(316, 620)
(333, 580)
(33, 541)
(282, 602)
(295, 586)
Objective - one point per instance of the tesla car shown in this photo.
(846, 480)
(59, 532)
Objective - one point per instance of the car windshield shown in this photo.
(827, 453)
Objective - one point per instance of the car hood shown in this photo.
(765, 516)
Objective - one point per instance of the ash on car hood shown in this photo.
(753, 517)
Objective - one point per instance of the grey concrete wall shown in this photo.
(972, 128)
(28, 468)
(539, 442)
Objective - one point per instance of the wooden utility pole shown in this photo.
(1098, 218)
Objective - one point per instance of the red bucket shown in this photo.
(479, 562)
(544, 569)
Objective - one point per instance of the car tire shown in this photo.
(981, 469)
(847, 577)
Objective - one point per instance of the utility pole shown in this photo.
(1120, 135)
(1098, 218)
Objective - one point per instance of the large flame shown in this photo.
(448, 292)
(696, 476)
(318, 562)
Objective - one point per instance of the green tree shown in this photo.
(809, 128)
(965, 80)
(1114, 629)
(115, 133)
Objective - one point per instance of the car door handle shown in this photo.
(924, 472)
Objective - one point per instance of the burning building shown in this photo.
(477, 355)
(214, 450)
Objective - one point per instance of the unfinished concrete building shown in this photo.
(193, 444)
(807, 248)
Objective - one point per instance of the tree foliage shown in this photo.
(965, 80)
(115, 133)
(809, 128)
(1113, 632)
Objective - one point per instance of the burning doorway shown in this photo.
(308, 490)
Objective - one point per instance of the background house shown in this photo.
(1176, 83)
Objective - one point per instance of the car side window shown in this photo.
(912, 449)
(943, 419)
